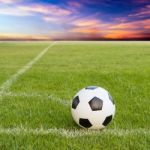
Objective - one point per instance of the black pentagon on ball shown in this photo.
(75, 102)
(91, 87)
(110, 97)
(107, 120)
(85, 123)
(96, 104)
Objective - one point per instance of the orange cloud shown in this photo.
(123, 26)
(90, 27)
(128, 30)
(134, 29)
(7, 36)
(46, 9)
(126, 34)
(85, 30)
(86, 22)
(147, 26)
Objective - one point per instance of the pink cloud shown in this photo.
(134, 25)
(50, 19)
(144, 12)
(13, 11)
(134, 29)
(126, 25)
(78, 26)
(88, 27)
(75, 4)
(141, 1)
(9, 1)
(20, 10)
(118, 30)
(46, 9)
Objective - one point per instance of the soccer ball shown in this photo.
(93, 108)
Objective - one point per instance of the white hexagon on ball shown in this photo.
(93, 108)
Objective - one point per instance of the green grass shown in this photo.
(14, 55)
(123, 68)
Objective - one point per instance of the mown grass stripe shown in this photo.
(6, 85)
(71, 133)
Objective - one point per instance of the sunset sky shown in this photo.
(72, 19)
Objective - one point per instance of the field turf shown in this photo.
(36, 89)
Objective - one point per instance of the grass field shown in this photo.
(39, 79)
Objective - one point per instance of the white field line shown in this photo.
(71, 133)
(7, 84)
(41, 96)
